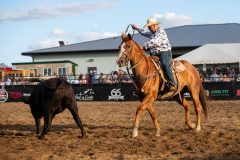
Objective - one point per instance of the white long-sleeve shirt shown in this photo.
(158, 40)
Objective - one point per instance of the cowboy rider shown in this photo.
(159, 46)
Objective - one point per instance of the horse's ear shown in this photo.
(129, 36)
(123, 35)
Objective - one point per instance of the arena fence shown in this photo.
(119, 92)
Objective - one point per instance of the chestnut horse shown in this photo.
(148, 80)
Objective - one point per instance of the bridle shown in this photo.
(127, 55)
(127, 59)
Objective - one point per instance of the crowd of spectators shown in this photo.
(216, 75)
(114, 77)
(14, 81)
(89, 78)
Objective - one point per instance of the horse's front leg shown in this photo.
(140, 109)
(154, 119)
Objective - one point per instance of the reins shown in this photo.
(149, 75)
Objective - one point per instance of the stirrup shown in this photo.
(171, 83)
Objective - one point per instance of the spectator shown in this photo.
(80, 77)
(83, 79)
(214, 77)
(238, 77)
(225, 78)
(232, 74)
(120, 75)
(114, 76)
(8, 81)
(90, 77)
(2, 83)
(126, 78)
(108, 79)
(101, 78)
(94, 78)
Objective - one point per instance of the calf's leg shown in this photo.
(74, 111)
(37, 122)
(47, 124)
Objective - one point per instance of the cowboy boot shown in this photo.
(171, 92)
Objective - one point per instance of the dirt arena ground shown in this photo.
(108, 126)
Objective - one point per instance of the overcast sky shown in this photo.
(27, 25)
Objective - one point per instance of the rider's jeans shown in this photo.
(165, 59)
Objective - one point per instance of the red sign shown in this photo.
(238, 92)
(15, 95)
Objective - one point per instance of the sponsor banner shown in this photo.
(238, 92)
(116, 94)
(220, 92)
(85, 95)
(3, 95)
(17, 92)
(119, 92)
(15, 95)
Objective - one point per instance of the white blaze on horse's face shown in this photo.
(122, 56)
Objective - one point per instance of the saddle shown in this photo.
(175, 65)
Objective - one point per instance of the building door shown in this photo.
(93, 69)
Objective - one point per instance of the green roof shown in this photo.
(45, 62)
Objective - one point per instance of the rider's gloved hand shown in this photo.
(144, 48)
(134, 26)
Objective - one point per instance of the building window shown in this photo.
(35, 72)
(62, 71)
(47, 71)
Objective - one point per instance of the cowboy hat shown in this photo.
(151, 21)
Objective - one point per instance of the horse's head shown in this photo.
(125, 50)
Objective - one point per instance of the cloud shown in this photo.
(69, 38)
(81, 37)
(88, 36)
(47, 43)
(170, 19)
(45, 12)
(58, 32)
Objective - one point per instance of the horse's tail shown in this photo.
(203, 101)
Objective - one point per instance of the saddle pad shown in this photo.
(177, 66)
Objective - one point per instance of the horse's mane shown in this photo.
(147, 59)
(140, 49)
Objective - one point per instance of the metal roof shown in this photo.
(213, 54)
(182, 36)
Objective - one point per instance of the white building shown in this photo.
(101, 55)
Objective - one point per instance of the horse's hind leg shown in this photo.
(154, 118)
(183, 101)
(196, 101)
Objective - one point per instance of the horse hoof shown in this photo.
(157, 134)
(192, 125)
(198, 129)
(83, 136)
(134, 134)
